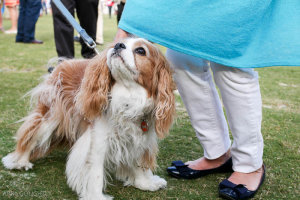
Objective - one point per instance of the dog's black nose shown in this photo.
(50, 69)
(119, 46)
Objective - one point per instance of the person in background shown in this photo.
(121, 4)
(99, 34)
(1, 25)
(87, 13)
(13, 14)
(110, 4)
(29, 14)
(44, 7)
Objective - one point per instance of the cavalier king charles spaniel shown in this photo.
(110, 109)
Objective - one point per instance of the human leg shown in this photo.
(87, 12)
(31, 17)
(120, 11)
(242, 100)
(198, 92)
(21, 19)
(13, 13)
(63, 31)
(99, 35)
(109, 11)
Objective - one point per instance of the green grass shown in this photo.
(20, 68)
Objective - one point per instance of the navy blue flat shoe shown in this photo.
(181, 170)
(229, 190)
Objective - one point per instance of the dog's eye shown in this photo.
(140, 50)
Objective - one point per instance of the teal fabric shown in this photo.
(236, 33)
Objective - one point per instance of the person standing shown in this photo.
(203, 40)
(1, 24)
(13, 14)
(29, 13)
(110, 4)
(87, 13)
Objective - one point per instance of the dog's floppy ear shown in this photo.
(92, 97)
(165, 100)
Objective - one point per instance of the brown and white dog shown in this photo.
(110, 109)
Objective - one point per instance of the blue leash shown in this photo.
(86, 38)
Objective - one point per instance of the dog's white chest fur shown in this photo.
(128, 107)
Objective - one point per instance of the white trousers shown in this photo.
(241, 98)
(99, 32)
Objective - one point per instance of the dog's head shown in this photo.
(132, 60)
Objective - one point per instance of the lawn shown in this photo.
(20, 68)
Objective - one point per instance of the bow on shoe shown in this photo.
(233, 191)
(182, 168)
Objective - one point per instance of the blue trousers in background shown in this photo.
(29, 12)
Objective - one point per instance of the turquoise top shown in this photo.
(236, 33)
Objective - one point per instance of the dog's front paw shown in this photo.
(153, 183)
(25, 165)
(12, 161)
(108, 197)
(160, 182)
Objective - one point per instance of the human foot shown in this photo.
(242, 186)
(204, 163)
(200, 167)
(250, 180)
